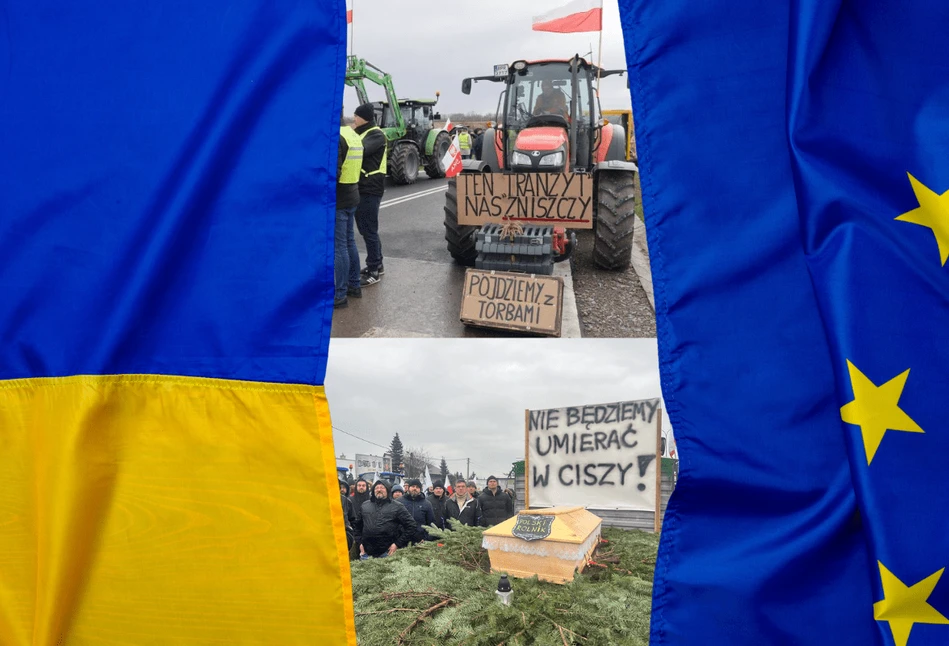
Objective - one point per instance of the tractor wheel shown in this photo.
(615, 216)
(404, 164)
(461, 238)
(433, 164)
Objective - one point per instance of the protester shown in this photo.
(398, 492)
(371, 189)
(551, 101)
(383, 524)
(349, 517)
(438, 499)
(463, 507)
(349, 511)
(464, 142)
(360, 493)
(478, 143)
(420, 508)
(346, 255)
(496, 506)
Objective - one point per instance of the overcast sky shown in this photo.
(461, 398)
(429, 46)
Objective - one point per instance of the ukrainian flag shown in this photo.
(167, 176)
(795, 177)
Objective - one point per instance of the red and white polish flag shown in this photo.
(349, 11)
(452, 159)
(575, 16)
(448, 125)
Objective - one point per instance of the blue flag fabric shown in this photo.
(167, 187)
(795, 177)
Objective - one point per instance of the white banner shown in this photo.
(601, 456)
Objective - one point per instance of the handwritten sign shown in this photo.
(532, 527)
(513, 301)
(554, 199)
(601, 456)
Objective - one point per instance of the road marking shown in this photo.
(414, 196)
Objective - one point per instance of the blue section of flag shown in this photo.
(167, 175)
(775, 142)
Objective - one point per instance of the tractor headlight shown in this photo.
(520, 159)
(554, 159)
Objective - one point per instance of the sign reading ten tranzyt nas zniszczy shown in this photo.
(554, 199)
(602, 456)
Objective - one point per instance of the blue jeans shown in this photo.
(367, 219)
(345, 254)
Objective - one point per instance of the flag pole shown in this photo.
(599, 62)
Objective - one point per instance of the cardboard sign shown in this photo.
(533, 527)
(553, 199)
(512, 301)
(602, 456)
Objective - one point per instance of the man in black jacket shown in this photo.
(439, 502)
(463, 507)
(496, 506)
(371, 188)
(349, 518)
(478, 144)
(420, 508)
(360, 495)
(349, 512)
(384, 524)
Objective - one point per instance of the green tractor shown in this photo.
(414, 142)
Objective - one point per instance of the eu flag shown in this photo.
(795, 178)
(167, 189)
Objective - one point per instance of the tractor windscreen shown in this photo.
(547, 89)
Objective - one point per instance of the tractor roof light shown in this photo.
(520, 65)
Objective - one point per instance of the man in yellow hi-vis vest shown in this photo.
(464, 143)
(346, 255)
(371, 188)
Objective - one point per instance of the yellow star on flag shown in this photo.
(933, 213)
(903, 605)
(875, 409)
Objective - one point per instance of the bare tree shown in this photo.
(416, 459)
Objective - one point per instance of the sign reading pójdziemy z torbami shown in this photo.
(601, 456)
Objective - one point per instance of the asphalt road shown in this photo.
(420, 292)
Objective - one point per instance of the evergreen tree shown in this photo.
(396, 450)
(444, 469)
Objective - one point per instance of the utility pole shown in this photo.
(468, 472)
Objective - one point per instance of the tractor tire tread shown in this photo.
(613, 232)
(398, 169)
(460, 238)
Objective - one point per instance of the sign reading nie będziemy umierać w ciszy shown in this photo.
(602, 456)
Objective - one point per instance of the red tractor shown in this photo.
(549, 121)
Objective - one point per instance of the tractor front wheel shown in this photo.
(615, 216)
(404, 164)
(433, 164)
(460, 237)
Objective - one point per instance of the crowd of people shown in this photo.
(382, 518)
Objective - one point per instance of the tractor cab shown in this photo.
(548, 117)
(546, 103)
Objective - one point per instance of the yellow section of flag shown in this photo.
(164, 510)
